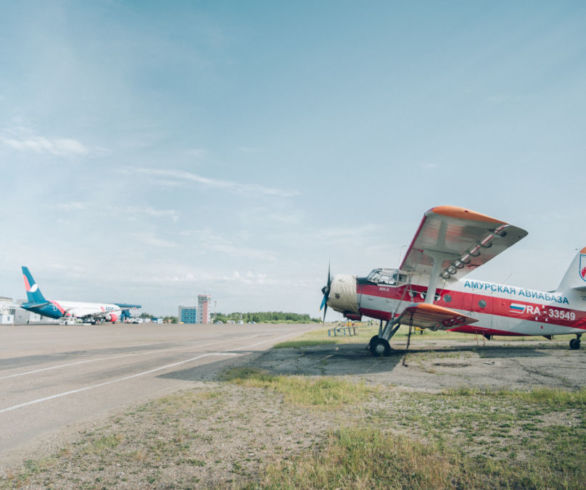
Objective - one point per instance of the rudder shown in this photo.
(575, 277)
(33, 293)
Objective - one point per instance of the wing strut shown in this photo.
(408, 340)
(438, 257)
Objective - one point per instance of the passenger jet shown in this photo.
(87, 312)
(429, 289)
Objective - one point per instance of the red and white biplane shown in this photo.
(429, 290)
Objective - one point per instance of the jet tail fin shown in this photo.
(33, 293)
(575, 277)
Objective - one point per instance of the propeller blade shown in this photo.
(323, 302)
(326, 292)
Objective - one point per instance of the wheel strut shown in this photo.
(379, 344)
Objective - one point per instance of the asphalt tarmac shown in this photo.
(54, 379)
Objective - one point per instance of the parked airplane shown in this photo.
(427, 291)
(88, 312)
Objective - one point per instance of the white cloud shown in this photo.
(153, 212)
(131, 212)
(253, 216)
(155, 241)
(72, 206)
(184, 274)
(348, 234)
(210, 241)
(197, 152)
(237, 187)
(39, 144)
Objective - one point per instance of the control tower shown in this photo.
(203, 308)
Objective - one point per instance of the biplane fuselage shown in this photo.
(499, 309)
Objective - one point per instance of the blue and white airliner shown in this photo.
(86, 312)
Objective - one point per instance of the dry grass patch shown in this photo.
(550, 397)
(365, 458)
(321, 392)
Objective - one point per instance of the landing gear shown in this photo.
(379, 346)
(575, 343)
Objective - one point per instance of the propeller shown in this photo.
(326, 292)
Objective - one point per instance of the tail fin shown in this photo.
(575, 277)
(33, 293)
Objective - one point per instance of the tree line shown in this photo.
(264, 317)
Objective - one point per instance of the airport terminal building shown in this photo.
(12, 314)
(187, 314)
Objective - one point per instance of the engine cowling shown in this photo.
(343, 297)
(112, 317)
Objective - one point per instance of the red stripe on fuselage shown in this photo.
(459, 300)
(484, 331)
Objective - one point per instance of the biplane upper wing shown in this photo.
(424, 315)
(460, 239)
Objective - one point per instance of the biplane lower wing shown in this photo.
(425, 315)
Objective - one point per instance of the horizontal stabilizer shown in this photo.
(126, 305)
(425, 315)
(35, 305)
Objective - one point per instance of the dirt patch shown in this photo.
(435, 365)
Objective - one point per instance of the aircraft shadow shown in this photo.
(483, 351)
(348, 359)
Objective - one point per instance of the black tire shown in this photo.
(380, 347)
(575, 344)
(371, 341)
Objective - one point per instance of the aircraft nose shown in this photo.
(343, 297)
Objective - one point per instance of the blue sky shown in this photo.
(151, 151)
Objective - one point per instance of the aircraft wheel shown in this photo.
(372, 341)
(574, 344)
(379, 347)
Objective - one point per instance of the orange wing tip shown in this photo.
(583, 251)
(463, 213)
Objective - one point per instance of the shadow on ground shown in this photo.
(349, 359)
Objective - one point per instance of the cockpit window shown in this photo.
(390, 277)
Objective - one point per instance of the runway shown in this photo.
(55, 378)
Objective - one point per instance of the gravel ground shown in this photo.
(434, 365)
